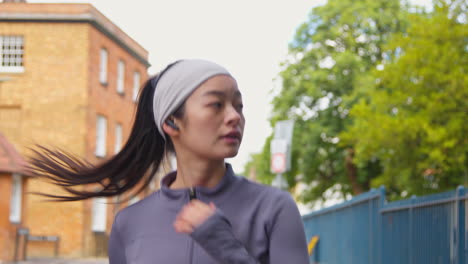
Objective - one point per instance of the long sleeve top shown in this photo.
(253, 223)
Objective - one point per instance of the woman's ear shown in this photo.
(170, 128)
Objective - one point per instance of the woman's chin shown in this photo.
(230, 153)
(223, 153)
(231, 156)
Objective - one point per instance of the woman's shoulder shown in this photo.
(265, 192)
(269, 202)
(137, 208)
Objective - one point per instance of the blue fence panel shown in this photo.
(465, 232)
(324, 227)
(395, 237)
(430, 227)
(433, 232)
(429, 230)
(375, 250)
(460, 242)
(346, 232)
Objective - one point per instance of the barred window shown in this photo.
(15, 202)
(118, 138)
(103, 67)
(121, 77)
(11, 53)
(136, 85)
(101, 132)
(99, 216)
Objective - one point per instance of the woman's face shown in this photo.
(213, 122)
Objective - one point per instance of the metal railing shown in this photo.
(429, 229)
(23, 237)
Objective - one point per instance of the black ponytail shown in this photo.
(138, 161)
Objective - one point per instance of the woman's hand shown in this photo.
(192, 216)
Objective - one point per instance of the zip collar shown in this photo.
(176, 198)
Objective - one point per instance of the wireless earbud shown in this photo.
(171, 123)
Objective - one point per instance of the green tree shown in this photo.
(260, 164)
(414, 120)
(339, 45)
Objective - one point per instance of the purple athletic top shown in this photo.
(253, 223)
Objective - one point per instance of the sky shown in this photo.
(249, 38)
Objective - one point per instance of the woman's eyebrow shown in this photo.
(221, 93)
(215, 93)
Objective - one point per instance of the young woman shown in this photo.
(203, 213)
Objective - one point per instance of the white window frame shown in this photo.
(17, 50)
(118, 137)
(133, 200)
(103, 61)
(101, 136)
(99, 215)
(16, 198)
(136, 85)
(121, 77)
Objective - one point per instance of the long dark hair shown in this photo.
(139, 159)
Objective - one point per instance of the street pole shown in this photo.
(280, 182)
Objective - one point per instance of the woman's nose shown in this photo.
(233, 115)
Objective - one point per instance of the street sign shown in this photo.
(284, 130)
(278, 163)
(279, 146)
(282, 142)
(280, 149)
(279, 152)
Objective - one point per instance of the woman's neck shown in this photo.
(192, 174)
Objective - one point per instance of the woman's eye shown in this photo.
(240, 107)
(217, 104)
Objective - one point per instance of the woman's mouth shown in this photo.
(232, 137)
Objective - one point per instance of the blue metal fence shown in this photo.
(368, 230)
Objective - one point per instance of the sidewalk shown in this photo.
(62, 261)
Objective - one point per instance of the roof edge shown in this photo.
(13, 162)
(90, 18)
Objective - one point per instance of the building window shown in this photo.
(103, 67)
(121, 77)
(101, 131)
(118, 138)
(99, 217)
(134, 200)
(136, 85)
(11, 53)
(15, 201)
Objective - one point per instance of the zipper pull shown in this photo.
(192, 193)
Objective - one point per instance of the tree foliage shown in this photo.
(379, 62)
(414, 120)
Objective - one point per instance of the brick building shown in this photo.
(13, 179)
(72, 77)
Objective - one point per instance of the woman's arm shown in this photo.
(116, 249)
(213, 232)
(287, 237)
(288, 242)
(216, 237)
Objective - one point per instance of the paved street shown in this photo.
(62, 261)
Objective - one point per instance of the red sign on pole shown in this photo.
(278, 163)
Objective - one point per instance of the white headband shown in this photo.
(178, 83)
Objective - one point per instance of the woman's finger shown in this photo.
(181, 226)
(192, 215)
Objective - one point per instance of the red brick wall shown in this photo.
(57, 99)
(117, 108)
(52, 97)
(8, 229)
